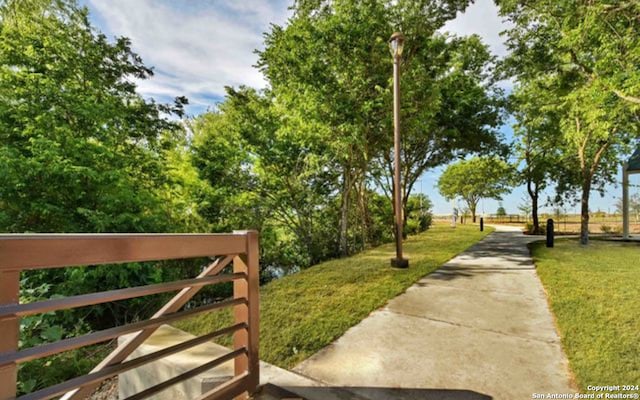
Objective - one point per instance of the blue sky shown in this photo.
(199, 47)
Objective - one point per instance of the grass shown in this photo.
(595, 297)
(302, 313)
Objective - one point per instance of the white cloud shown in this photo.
(481, 18)
(197, 48)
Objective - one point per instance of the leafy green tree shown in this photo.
(501, 212)
(450, 109)
(81, 150)
(474, 179)
(584, 54)
(336, 54)
(526, 208)
(599, 41)
(537, 130)
(331, 53)
(267, 174)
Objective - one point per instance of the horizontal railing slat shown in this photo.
(45, 350)
(23, 310)
(229, 389)
(37, 251)
(61, 388)
(19, 252)
(132, 343)
(184, 376)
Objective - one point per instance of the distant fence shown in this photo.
(569, 223)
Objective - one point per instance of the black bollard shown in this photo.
(550, 232)
(481, 224)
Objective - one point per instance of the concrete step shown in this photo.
(276, 383)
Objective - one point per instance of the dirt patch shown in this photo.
(108, 390)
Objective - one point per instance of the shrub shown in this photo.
(529, 229)
(610, 229)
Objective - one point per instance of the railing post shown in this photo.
(10, 328)
(249, 313)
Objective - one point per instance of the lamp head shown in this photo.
(396, 44)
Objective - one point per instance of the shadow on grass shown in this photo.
(270, 392)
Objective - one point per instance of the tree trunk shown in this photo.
(473, 205)
(534, 194)
(584, 211)
(364, 217)
(534, 214)
(344, 213)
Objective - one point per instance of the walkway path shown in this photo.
(478, 328)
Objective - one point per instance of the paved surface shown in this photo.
(478, 328)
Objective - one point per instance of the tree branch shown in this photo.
(628, 98)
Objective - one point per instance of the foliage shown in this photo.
(335, 295)
(581, 57)
(419, 217)
(309, 155)
(81, 151)
(47, 328)
(474, 179)
(306, 161)
(329, 71)
(501, 212)
(531, 230)
(538, 136)
(592, 292)
(608, 229)
(525, 208)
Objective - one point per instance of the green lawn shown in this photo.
(303, 312)
(594, 292)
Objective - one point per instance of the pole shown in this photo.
(625, 202)
(398, 262)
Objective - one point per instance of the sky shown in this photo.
(199, 47)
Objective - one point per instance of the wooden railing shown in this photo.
(40, 251)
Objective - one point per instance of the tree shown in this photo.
(277, 177)
(81, 150)
(585, 55)
(597, 40)
(537, 131)
(474, 179)
(464, 107)
(525, 208)
(501, 212)
(336, 53)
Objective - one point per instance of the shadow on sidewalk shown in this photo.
(269, 392)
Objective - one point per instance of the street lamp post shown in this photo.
(396, 44)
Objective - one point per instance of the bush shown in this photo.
(418, 223)
(419, 217)
(530, 231)
(610, 229)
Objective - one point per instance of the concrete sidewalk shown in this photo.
(478, 328)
